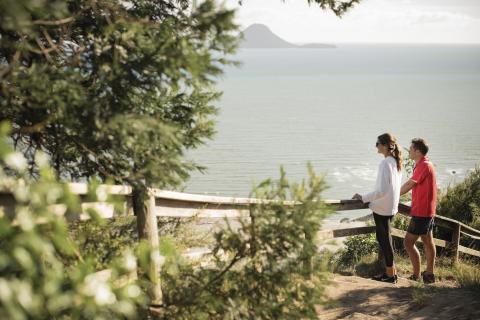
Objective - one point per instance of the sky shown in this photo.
(371, 21)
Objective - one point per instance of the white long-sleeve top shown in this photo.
(384, 200)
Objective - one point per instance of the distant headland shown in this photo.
(260, 36)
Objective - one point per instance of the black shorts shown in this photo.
(421, 225)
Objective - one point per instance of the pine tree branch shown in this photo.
(53, 22)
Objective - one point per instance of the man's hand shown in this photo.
(407, 186)
(356, 196)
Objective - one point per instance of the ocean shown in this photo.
(287, 107)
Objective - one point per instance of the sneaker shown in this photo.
(414, 278)
(380, 277)
(385, 278)
(428, 277)
(393, 279)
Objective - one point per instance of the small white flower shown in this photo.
(130, 262)
(5, 291)
(42, 159)
(21, 191)
(133, 291)
(125, 308)
(122, 51)
(24, 295)
(104, 295)
(16, 161)
(53, 194)
(24, 219)
(99, 290)
(106, 68)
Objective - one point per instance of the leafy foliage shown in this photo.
(408, 166)
(266, 269)
(120, 90)
(106, 241)
(356, 247)
(34, 281)
(115, 89)
(111, 89)
(462, 201)
(338, 7)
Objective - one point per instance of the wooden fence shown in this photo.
(456, 228)
(174, 204)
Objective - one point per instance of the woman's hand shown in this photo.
(356, 196)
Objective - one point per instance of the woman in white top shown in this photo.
(384, 200)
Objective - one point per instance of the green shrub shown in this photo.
(34, 281)
(399, 222)
(105, 242)
(267, 269)
(369, 266)
(462, 201)
(356, 247)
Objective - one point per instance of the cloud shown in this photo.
(439, 3)
(419, 17)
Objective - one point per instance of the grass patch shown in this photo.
(422, 296)
(465, 273)
(368, 266)
(468, 276)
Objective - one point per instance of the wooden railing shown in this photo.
(455, 227)
(174, 204)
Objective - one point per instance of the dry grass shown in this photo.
(465, 273)
(468, 276)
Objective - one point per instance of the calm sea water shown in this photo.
(286, 107)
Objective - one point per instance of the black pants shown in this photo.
(384, 237)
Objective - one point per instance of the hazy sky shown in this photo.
(376, 21)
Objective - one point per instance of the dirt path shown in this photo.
(359, 298)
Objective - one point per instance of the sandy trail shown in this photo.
(359, 298)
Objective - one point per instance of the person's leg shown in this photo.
(382, 228)
(430, 251)
(413, 253)
(391, 271)
(378, 226)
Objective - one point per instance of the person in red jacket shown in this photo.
(424, 202)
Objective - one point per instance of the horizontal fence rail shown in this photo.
(178, 204)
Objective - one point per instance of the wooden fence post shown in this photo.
(455, 242)
(148, 230)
